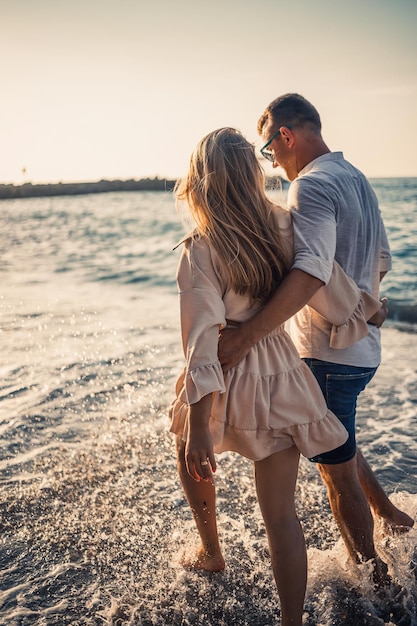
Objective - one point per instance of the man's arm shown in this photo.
(293, 293)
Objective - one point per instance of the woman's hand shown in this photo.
(199, 455)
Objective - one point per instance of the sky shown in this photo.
(121, 89)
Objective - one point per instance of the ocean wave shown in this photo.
(402, 311)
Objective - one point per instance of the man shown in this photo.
(336, 217)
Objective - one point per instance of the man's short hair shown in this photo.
(290, 110)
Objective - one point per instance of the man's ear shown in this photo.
(288, 136)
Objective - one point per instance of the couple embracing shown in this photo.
(248, 386)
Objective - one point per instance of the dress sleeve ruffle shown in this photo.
(345, 307)
(356, 326)
(203, 380)
(192, 385)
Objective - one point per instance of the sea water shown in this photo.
(92, 513)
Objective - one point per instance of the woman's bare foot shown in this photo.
(203, 560)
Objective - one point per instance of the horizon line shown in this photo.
(156, 178)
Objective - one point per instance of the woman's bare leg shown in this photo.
(201, 497)
(276, 479)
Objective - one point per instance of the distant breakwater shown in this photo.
(38, 190)
(29, 190)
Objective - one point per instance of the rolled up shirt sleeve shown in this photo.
(314, 225)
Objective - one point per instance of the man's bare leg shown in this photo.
(275, 479)
(201, 497)
(378, 500)
(353, 515)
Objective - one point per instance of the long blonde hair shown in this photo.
(225, 192)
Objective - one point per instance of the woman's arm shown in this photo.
(202, 314)
(199, 455)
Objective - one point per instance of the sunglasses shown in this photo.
(266, 152)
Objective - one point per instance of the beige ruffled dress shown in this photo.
(270, 401)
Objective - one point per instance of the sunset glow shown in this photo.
(106, 89)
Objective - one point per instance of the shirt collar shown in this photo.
(329, 156)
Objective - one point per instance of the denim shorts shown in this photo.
(341, 386)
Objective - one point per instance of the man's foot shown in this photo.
(201, 560)
(396, 521)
